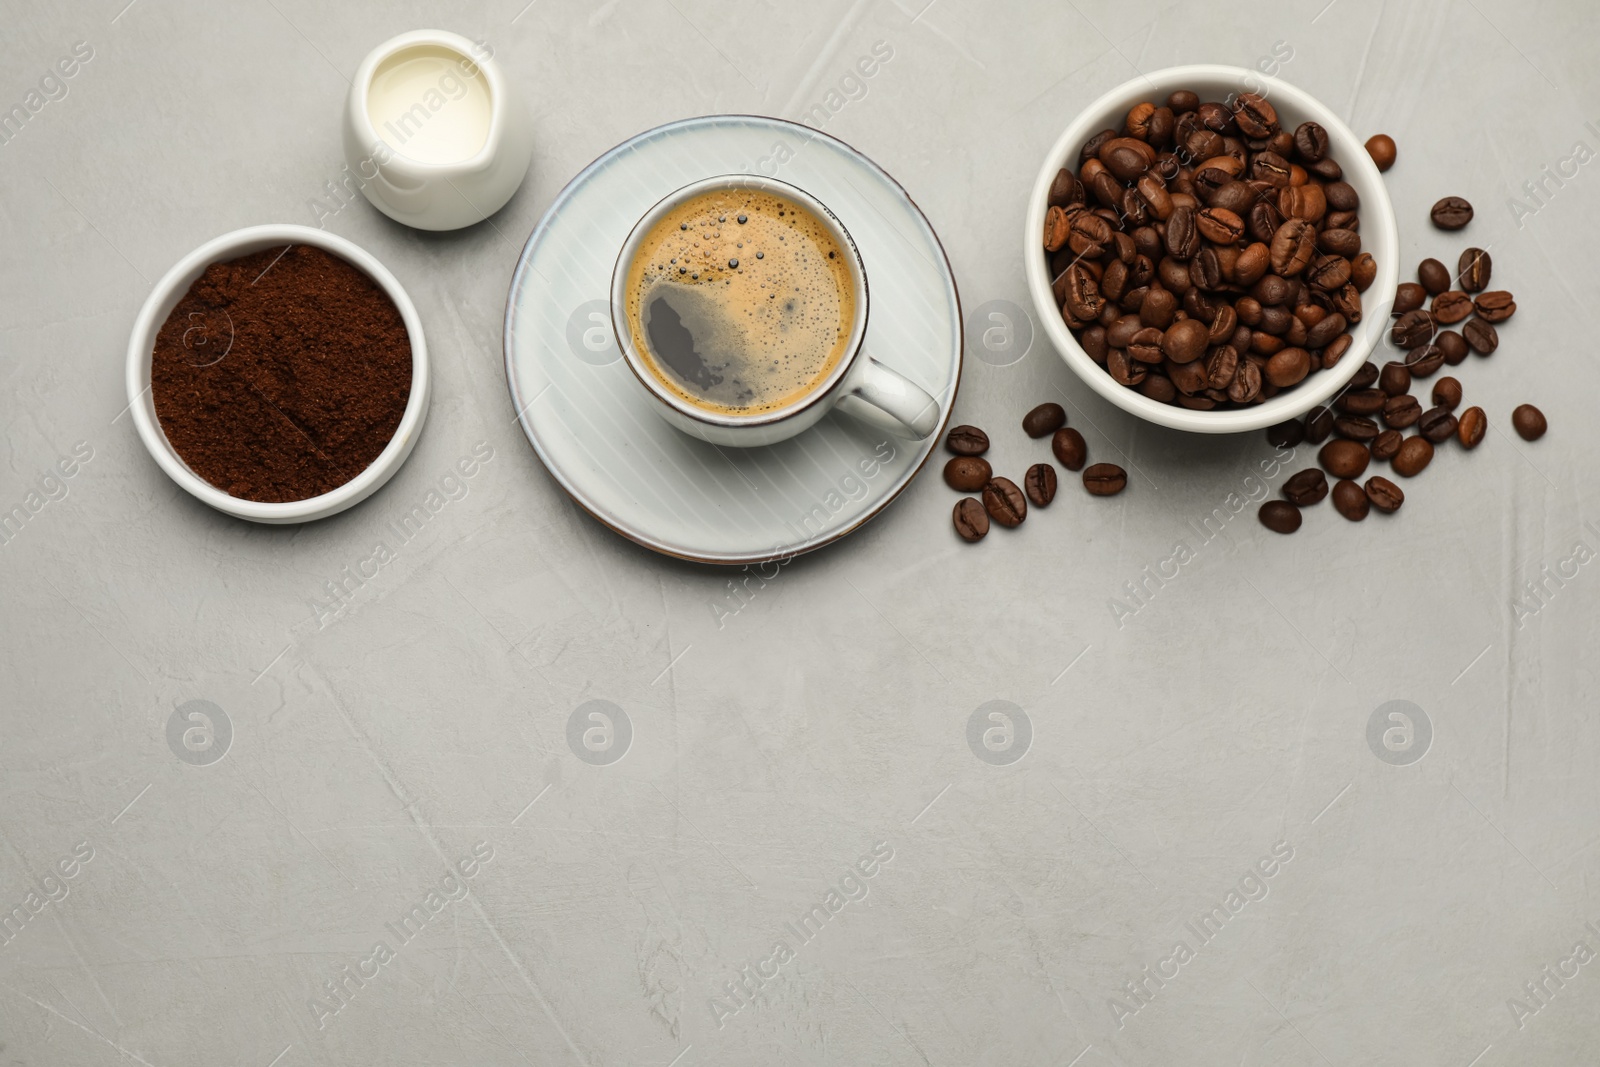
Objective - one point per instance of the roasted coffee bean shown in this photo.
(1380, 146)
(1327, 169)
(1342, 220)
(1355, 428)
(1246, 384)
(1451, 213)
(1447, 393)
(1319, 424)
(1395, 379)
(1473, 270)
(1363, 271)
(1056, 228)
(1182, 100)
(1344, 459)
(1310, 141)
(1138, 122)
(1064, 190)
(1350, 500)
(1408, 296)
(1279, 516)
(1105, 479)
(1157, 308)
(1471, 427)
(1401, 411)
(1221, 365)
(1043, 420)
(1004, 502)
(1342, 196)
(1451, 307)
(1184, 341)
(1437, 425)
(1329, 273)
(1423, 362)
(1288, 367)
(1187, 378)
(1254, 116)
(1453, 345)
(1325, 332)
(1529, 422)
(1361, 401)
(1345, 243)
(1292, 246)
(1304, 202)
(1182, 236)
(1304, 488)
(1286, 434)
(1384, 494)
(1070, 448)
(1271, 169)
(1366, 376)
(1158, 387)
(1496, 306)
(967, 474)
(1127, 157)
(1483, 337)
(1414, 455)
(1413, 329)
(1091, 147)
(1386, 444)
(966, 441)
(1123, 370)
(1089, 234)
(971, 521)
(1219, 225)
(1040, 484)
(1434, 276)
(1144, 346)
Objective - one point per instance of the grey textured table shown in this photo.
(796, 765)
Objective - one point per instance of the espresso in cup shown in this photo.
(741, 301)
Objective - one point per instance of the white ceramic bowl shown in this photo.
(1294, 106)
(165, 296)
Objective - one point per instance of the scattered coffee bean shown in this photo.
(1496, 306)
(1471, 427)
(1408, 296)
(1350, 500)
(1319, 424)
(1412, 329)
(1344, 459)
(1447, 393)
(1423, 362)
(1434, 276)
(971, 521)
(1453, 345)
(967, 441)
(1451, 213)
(1380, 146)
(1414, 455)
(1437, 425)
(1384, 494)
(1286, 434)
(1386, 444)
(1450, 308)
(1070, 448)
(1004, 502)
(1355, 428)
(1483, 337)
(1304, 488)
(967, 474)
(1473, 270)
(1401, 411)
(1040, 484)
(1365, 377)
(1361, 401)
(1395, 379)
(1044, 420)
(1105, 479)
(1279, 516)
(1529, 422)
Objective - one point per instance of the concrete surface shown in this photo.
(806, 733)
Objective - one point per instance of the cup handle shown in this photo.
(896, 396)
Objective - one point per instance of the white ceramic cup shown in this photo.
(857, 376)
(433, 193)
(171, 289)
(1294, 106)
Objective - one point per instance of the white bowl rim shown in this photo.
(1379, 235)
(141, 343)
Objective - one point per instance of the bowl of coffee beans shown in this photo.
(278, 374)
(1211, 249)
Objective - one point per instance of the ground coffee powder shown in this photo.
(282, 375)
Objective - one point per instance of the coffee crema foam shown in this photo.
(741, 301)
